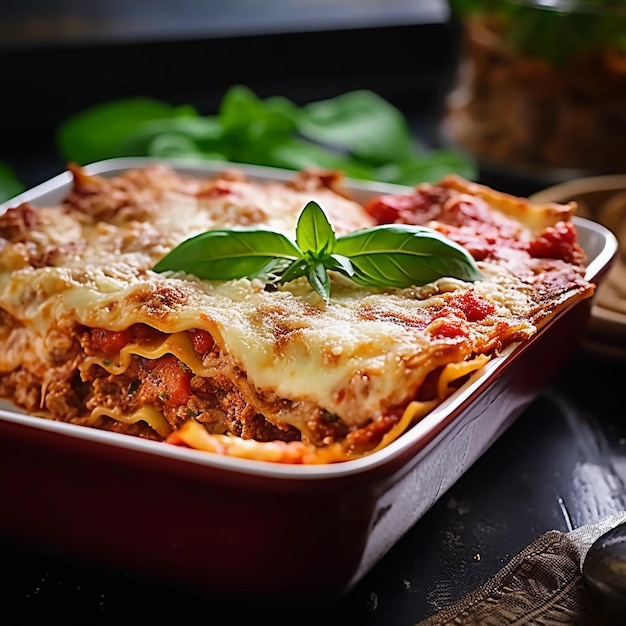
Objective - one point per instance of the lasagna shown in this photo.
(92, 335)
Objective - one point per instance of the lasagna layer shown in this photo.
(92, 335)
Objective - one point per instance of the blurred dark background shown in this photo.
(59, 57)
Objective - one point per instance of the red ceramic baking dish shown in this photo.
(253, 528)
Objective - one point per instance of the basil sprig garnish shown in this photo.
(389, 255)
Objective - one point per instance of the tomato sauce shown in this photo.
(473, 307)
(201, 340)
(168, 379)
(557, 242)
(473, 225)
(107, 342)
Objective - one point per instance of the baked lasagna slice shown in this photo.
(91, 334)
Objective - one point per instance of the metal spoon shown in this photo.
(604, 570)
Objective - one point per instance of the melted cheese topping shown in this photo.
(346, 357)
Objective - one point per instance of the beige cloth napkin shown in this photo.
(540, 586)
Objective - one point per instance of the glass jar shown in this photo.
(541, 86)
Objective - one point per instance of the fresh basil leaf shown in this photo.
(229, 254)
(97, 132)
(360, 122)
(202, 134)
(319, 280)
(298, 154)
(389, 255)
(314, 234)
(10, 184)
(173, 145)
(263, 132)
(396, 255)
(246, 118)
(358, 133)
(341, 264)
(428, 167)
(273, 271)
(297, 268)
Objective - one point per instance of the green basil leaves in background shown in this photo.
(358, 132)
(97, 133)
(10, 185)
(390, 255)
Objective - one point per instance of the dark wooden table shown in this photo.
(562, 464)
